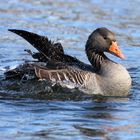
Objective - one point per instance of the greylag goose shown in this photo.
(102, 77)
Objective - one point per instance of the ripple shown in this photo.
(57, 116)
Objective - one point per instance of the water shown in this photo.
(70, 22)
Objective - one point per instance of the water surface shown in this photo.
(70, 22)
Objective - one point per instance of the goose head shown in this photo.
(103, 40)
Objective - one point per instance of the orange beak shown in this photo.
(115, 50)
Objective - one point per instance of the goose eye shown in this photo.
(105, 37)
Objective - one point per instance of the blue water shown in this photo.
(70, 22)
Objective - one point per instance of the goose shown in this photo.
(102, 77)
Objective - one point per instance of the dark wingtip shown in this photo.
(21, 33)
(13, 30)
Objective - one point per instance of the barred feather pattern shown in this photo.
(72, 75)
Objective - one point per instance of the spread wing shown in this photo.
(53, 63)
(48, 50)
